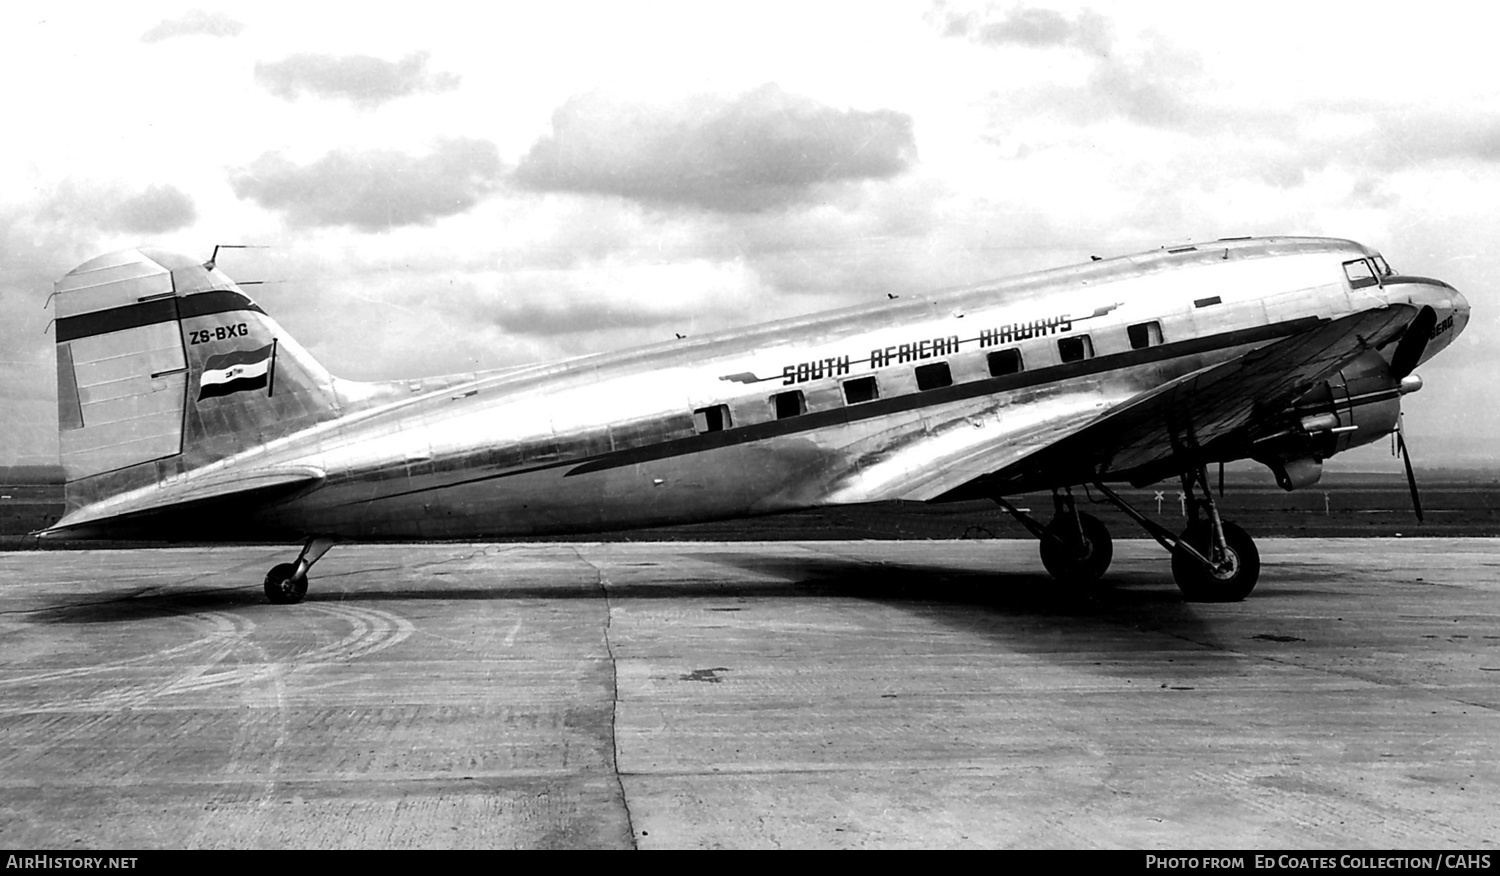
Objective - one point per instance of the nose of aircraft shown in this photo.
(1452, 312)
(1450, 315)
(1460, 311)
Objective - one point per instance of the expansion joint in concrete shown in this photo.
(614, 692)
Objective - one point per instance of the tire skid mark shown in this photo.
(388, 629)
(230, 632)
(263, 708)
(264, 730)
(223, 627)
(371, 631)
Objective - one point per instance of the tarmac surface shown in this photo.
(803, 694)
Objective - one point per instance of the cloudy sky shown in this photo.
(444, 187)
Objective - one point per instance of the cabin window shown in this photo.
(1144, 334)
(934, 376)
(1075, 349)
(1360, 274)
(711, 419)
(860, 389)
(1004, 362)
(1210, 301)
(789, 404)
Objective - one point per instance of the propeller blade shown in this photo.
(1413, 342)
(1411, 477)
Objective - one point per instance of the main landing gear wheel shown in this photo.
(1232, 581)
(1077, 554)
(284, 586)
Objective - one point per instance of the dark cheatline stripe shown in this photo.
(934, 397)
(239, 384)
(115, 319)
(237, 357)
(911, 401)
(217, 301)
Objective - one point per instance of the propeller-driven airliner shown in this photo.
(186, 412)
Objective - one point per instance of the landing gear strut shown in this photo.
(1076, 547)
(1212, 560)
(1215, 561)
(286, 583)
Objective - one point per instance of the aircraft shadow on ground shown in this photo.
(984, 596)
(974, 599)
(154, 604)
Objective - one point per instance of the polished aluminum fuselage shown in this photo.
(612, 440)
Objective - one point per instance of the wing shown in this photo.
(947, 454)
(1076, 438)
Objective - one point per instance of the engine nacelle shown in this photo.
(1296, 474)
(1359, 405)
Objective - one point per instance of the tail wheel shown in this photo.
(283, 586)
(1072, 562)
(1231, 583)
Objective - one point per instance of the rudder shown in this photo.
(164, 365)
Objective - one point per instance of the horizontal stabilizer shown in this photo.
(172, 502)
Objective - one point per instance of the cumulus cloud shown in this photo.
(373, 189)
(1037, 28)
(1285, 146)
(556, 316)
(1405, 139)
(107, 207)
(156, 209)
(622, 298)
(195, 22)
(363, 80)
(1153, 88)
(762, 149)
(1149, 84)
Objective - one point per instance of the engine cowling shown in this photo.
(1359, 405)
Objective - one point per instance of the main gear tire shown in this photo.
(1079, 565)
(1231, 583)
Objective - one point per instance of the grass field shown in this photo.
(1456, 503)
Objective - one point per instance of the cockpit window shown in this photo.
(1360, 274)
(1381, 266)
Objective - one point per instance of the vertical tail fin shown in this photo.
(164, 365)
